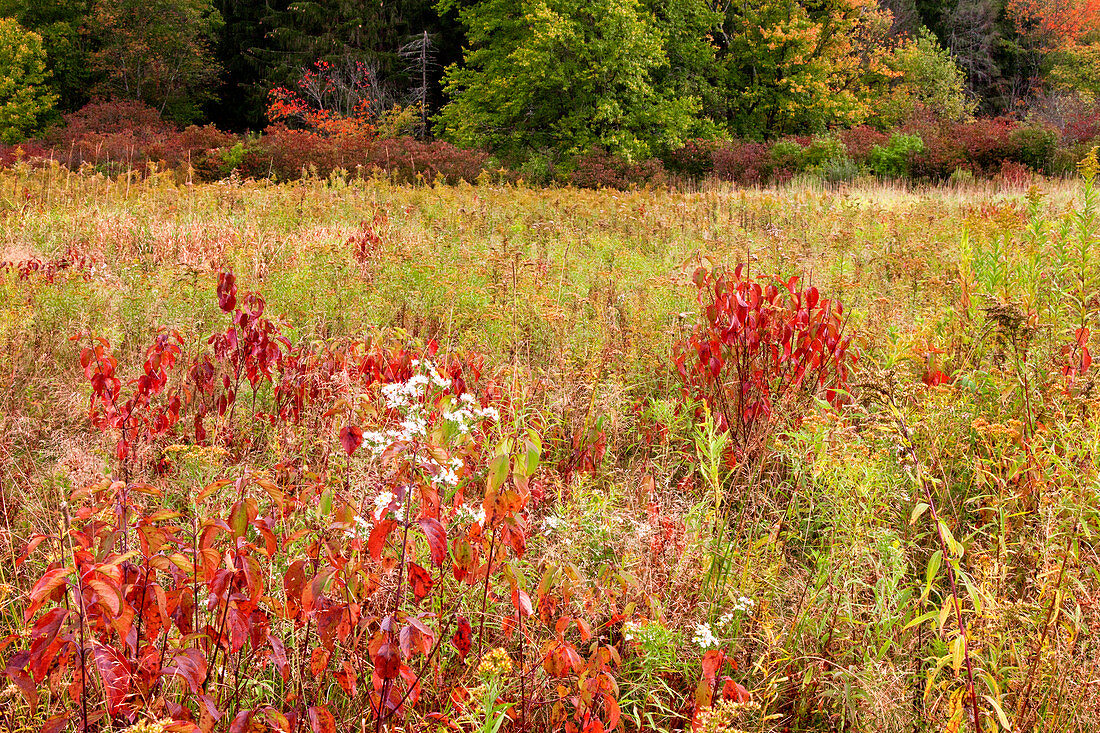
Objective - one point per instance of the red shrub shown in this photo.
(282, 154)
(942, 153)
(748, 164)
(409, 160)
(858, 141)
(28, 151)
(695, 159)
(108, 117)
(598, 169)
(987, 142)
(129, 134)
(762, 348)
(1014, 175)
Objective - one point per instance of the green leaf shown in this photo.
(930, 571)
(1002, 719)
(498, 472)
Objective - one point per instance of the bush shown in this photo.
(695, 159)
(894, 159)
(599, 169)
(1014, 175)
(1035, 146)
(747, 164)
(840, 168)
(786, 156)
(858, 141)
(761, 350)
(283, 154)
(125, 133)
(942, 154)
(819, 151)
(29, 151)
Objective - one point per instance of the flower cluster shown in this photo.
(467, 514)
(551, 524)
(723, 716)
(467, 412)
(705, 637)
(743, 604)
(495, 664)
(384, 504)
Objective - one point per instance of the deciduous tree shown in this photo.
(25, 98)
(567, 75)
(158, 52)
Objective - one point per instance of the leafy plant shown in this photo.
(762, 350)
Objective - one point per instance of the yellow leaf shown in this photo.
(955, 711)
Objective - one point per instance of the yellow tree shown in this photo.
(792, 66)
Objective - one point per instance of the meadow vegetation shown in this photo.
(352, 455)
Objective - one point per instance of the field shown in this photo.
(351, 456)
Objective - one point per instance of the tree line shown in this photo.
(547, 79)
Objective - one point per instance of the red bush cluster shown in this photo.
(599, 169)
(762, 347)
(121, 136)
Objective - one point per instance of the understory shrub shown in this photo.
(695, 159)
(761, 349)
(599, 169)
(744, 163)
(893, 159)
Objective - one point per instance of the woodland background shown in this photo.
(623, 91)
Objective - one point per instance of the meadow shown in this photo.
(347, 455)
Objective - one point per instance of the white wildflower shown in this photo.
(705, 638)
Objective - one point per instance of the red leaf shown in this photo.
(321, 720)
(278, 655)
(387, 661)
(115, 674)
(346, 678)
(34, 542)
(712, 662)
(227, 291)
(522, 602)
(50, 581)
(351, 437)
(23, 681)
(55, 724)
(378, 535)
(318, 662)
(734, 691)
(241, 722)
(420, 580)
(437, 539)
(463, 637)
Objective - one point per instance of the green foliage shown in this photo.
(1036, 146)
(62, 26)
(894, 158)
(1076, 70)
(566, 75)
(25, 98)
(158, 52)
(928, 77)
